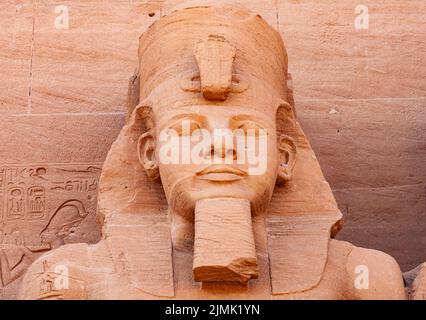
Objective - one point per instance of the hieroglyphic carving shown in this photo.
(41, 208)
(25, 199)
(79, 185)
(15, 203)
(47, 283)
(36, 201)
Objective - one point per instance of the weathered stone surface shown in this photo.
(331, 59)
(97, 52)
(376, 143)
(16, 39)
(290, 204)
(378, 214)
(378, 171)
(48, 192)
(58, 138)
(417, 280)
(266, 8)
(41, 208)
(348, 84)
(224, 252)
(215, 57)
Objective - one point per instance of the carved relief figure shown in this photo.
(48, 280)
(15, 257)
(64, 221)
(214, 224)
(47, 217)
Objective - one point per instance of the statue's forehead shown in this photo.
(258, 97)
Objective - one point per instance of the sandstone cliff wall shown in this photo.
(360, 95)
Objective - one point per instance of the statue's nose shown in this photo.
(223, 151)
(215, 59)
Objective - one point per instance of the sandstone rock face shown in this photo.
(419, 285)
(218, 227)
(44, 207)
(359, 96)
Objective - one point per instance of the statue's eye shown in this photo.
(251, 128)
(185, 127)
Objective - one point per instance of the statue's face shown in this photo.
(218, 166)
(215, 151)
(214, 132)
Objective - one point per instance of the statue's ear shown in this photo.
(144, 123)
(147, 157)
(287, 153)
(286, 124)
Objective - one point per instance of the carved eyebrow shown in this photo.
(244, 117)
(192, 116)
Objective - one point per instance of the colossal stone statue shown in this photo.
(235, 229)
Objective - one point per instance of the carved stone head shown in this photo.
(210, 92)
(213, 125)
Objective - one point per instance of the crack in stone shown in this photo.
(29, 110)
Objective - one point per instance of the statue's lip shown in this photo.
(222, 171)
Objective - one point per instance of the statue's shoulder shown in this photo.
(372, 274)
(416, 282)
(62, 273)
